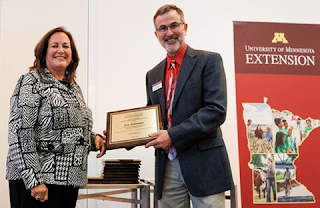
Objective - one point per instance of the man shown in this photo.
(287, 176)
(269, 134)
(287, 133)
(270, 180)
(193, 109)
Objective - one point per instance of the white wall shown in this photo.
(117, 47)
(23, 23)
(127, 49)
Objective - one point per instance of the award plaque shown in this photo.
(129, 128)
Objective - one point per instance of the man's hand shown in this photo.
(100, 144)
(40, 192)
(162, 140)
(290, 131)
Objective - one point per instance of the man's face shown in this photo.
(171, 40)
(280, 124)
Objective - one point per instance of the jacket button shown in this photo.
(79, 106)
(50, 146)
(81, 141)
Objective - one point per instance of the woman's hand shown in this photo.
(40, 192)
(100, 144)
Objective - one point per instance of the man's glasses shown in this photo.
(173, 26)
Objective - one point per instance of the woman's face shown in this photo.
(59, 52)
(308, 123)
(284, 138)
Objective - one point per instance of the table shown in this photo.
(101, 194)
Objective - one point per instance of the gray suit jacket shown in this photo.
(199, 109)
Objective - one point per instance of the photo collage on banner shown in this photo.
(277, 82)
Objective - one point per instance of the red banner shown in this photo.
(277, 71)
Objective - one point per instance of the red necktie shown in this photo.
(170, 95)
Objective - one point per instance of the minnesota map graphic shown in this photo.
(277, 135)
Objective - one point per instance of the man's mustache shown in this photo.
(174, 36)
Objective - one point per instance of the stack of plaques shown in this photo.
(118, 171)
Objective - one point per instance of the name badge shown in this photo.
(156, 86)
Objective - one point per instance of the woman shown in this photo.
(50, 129)
(258, 132)
(308, 128)
(279, 145)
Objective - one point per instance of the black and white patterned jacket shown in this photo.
(49, 132)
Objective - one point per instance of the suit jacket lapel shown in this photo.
(186, 68)
(160, 76)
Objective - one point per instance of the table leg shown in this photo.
(134, 196)
(233, 197)
(145, 196)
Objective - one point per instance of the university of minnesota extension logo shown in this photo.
(279, 54)
(279, 37)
